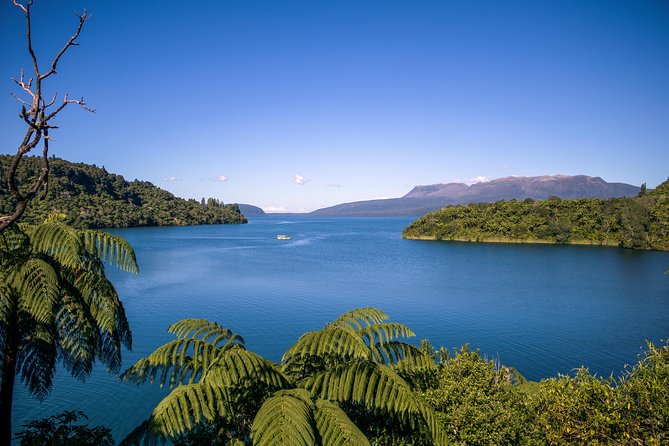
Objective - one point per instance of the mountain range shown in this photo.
(423, 199)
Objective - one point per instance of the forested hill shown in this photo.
(640, 222)
(91, 197)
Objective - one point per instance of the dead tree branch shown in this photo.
(34, 115)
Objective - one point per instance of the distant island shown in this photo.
(640, 222)
(423, 199)
(91, 197)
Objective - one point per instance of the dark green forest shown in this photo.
(91, 197)
(640, 222)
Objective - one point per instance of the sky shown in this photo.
(294, 105)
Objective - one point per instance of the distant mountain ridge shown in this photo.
(423, 199)
(248, 210)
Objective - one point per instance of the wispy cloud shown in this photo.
(337, 185)
(478, 179)
(271, 209)
(299, 180)
(171, 179)
(219, 178)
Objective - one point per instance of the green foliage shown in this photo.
(57, 305)
(641, 222)
(476, 401)
(290, 417)
(90, 197)
(56, 302)
(586, 409)
(347, 364)
(60, 429)
(481, 403)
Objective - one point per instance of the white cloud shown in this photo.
(219, 178)
(299, 180)
(271, 209)
(337, 185)
(478, 179)
(171, 179)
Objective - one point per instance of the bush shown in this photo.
(477, 402)
(60, 429)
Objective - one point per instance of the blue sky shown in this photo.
(295, 105)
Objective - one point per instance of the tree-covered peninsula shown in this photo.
(640, 222)
(91, 197)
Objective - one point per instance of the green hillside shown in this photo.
(640, 222)
(91, 197)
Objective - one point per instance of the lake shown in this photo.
(542, 309)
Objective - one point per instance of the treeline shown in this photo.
(91, 197)
(640, 222)
(480, 402)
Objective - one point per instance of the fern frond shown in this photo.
(204, 329)
(77, 336)
(103, 303)
(285, 419)
(335, 340)
(385, 332)
(36, 359)
(395, 351)
(335, 427)
(169, 361)
(37, 283)
(14, 238)
(238, 367)
(378, 387)
(111, 249)
(59, 241)
(188, 360)
(415, 362)
(361, 317)
(187, 405)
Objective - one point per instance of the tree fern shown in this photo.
(187, 405)
(341, 341)
(56, 304)
(376, 386)
(348, 361)
(209, 370)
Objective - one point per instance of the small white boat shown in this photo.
(283, 237)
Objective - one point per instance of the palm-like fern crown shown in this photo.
(211, 372)
(361, 334)
(57, 302)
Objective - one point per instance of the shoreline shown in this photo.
(517, 241)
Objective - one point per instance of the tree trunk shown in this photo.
(8, 376)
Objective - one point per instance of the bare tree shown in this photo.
(37, 113)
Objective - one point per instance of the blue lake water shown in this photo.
(542, 309)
